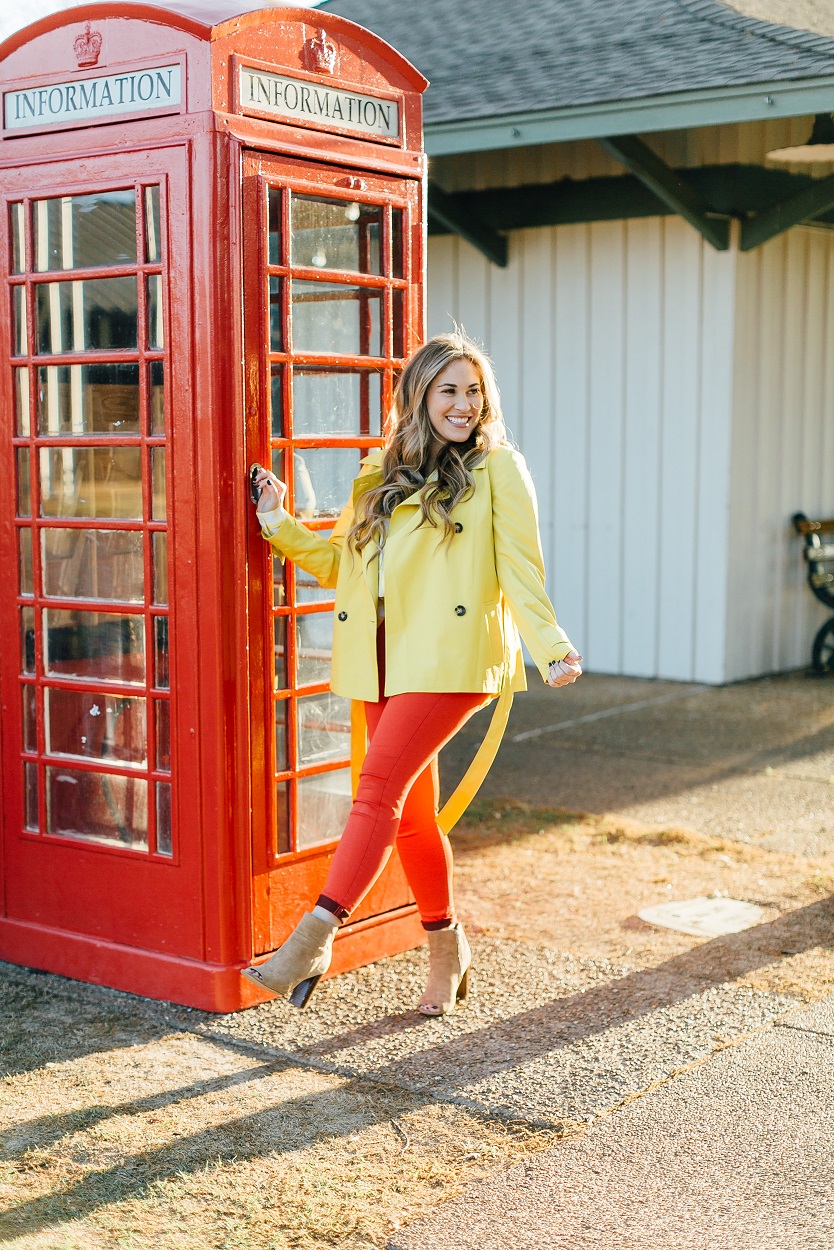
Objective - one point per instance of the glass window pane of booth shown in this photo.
(281, 758)
(274, 196)
(85, 231)
(97, 807)
(276, 400)
(17, 230)
(93, 564)
(161, 663)
(90, 725)
(153, 229)
(97, 314)
(26, 580)
(20, 332)
(27, 640)
(24, 485)
(21, 402)
(335, 319)
(164, 844)
(323, 728)
(336, 234)
(397, 243)
(163, 735)
(282, 818)
(156, 397)
(160, 567)
(30, 791)
(91, 482)
(30, 725)
(323, 805)
(280, 653)
(327, 482)
(276, 315)
(159, 504)
(154, 309)
(96, 646)
(88, 399)
(313, 647)
(327, 403)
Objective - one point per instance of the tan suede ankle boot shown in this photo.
(449, 960)
(299, 964)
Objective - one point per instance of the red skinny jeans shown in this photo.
(397, 800)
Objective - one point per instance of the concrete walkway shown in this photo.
(752, 761)
(735, 1154)
(735, 1150)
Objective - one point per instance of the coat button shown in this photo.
(461, 610)
(458, 527)
(343, 616)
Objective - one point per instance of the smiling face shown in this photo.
(455, 401)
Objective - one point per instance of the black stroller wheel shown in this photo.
(822, 655)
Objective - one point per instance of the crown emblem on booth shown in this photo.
(87, 46)
(322, 53)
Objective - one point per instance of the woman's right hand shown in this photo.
(565, 672)
(273, 491)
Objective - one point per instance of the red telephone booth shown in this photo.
(212, 248)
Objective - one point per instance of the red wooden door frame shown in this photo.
(286, 879)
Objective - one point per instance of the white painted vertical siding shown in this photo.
(783, 447)
(613, 344)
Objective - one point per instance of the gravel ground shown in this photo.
(544, 1037)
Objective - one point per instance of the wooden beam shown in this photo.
(730, 191)
(669, 186)
(812, 201)
(462, 219)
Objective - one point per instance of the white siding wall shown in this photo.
(783, 446)
(613, 344)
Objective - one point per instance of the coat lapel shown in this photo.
(370, 477)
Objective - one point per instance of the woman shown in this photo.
(434, 560)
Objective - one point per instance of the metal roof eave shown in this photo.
(679, 111)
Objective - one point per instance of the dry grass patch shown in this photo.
(586, 877)
(180, 1143)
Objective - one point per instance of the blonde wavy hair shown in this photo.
(411, 442)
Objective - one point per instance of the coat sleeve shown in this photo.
(305, 547)
(318, 556)
(519, 562)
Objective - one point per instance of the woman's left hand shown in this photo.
(565, 672)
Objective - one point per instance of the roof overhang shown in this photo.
(713, 107)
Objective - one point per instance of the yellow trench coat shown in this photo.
(453, 610)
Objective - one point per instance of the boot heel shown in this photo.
(300, 996)
(463, 987)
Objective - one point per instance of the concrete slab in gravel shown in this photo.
(818, 1018)
(544, 1037)
(735, 1153)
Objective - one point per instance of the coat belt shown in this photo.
(472, 780)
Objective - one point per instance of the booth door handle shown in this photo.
(354, 184)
